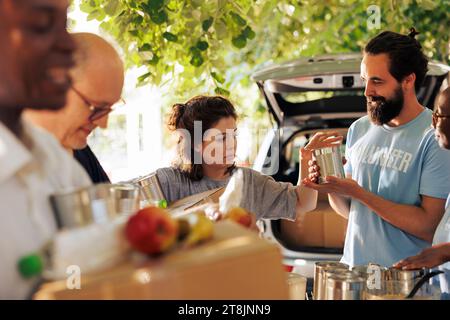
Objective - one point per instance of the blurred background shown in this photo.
(175, 49)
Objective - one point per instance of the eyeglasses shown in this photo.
(436, 117)
(97, 112)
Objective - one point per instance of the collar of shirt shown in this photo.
(14, 155)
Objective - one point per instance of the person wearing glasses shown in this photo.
(397, 177)
(98, 78)
(439, 254)
(35, 59)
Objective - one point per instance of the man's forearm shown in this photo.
(411, 219)
(340, 204)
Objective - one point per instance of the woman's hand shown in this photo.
(428, 258)
(321, 140)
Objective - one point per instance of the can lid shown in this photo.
(326, 150)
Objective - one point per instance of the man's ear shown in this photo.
(409, 81)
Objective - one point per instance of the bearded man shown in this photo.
(397, 177)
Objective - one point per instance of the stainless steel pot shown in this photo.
(99, 203)
(330, 163)
(320, 269)
(347, 285)
(406, 278)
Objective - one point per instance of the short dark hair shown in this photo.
(207, 109)
(405, 55)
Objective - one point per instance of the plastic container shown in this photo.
(297, 286)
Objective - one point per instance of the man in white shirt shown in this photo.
(34, 71)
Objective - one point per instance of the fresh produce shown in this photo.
(239, 215)
(201, 228)
(151, 230)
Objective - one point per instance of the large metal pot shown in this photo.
(406, 278)
(99, 203)
(347, 285)
(320, 270)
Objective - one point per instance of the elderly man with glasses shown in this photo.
(98, 79)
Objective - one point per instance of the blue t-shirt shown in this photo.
(442, 235)
(398, 164)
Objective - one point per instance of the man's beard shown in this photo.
(382, 110)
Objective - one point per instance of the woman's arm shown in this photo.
(306, 197)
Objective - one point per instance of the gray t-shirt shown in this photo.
(263, 195)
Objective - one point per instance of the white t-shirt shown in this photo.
(27, 177)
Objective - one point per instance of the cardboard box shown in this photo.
(320, 228)
(196, 200)
(235, 264)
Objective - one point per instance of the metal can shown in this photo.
(330, 163)
(320, 268)
(126, 198)
(150, 190)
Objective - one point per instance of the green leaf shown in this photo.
(220, 79)
(238, 19)
(202, 45)
(221, 29)
(170, 37)
(154, 61)
(206, 24)
(196, 59)
(137, 20)
(111, 7)
(427, 4)
(155, 5)
(134, 33)
(159, 17)
(145, 47)
(142, 78)
(248, 33)
(86, 7)
(239, 42)
(93, 15)
(222, 91)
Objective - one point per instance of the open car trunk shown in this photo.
(318, 94)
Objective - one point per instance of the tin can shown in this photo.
(330, 163)
(126, 198)
(150, 190)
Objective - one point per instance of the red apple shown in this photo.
(151, 230)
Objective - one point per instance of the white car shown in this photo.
(305, 96)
